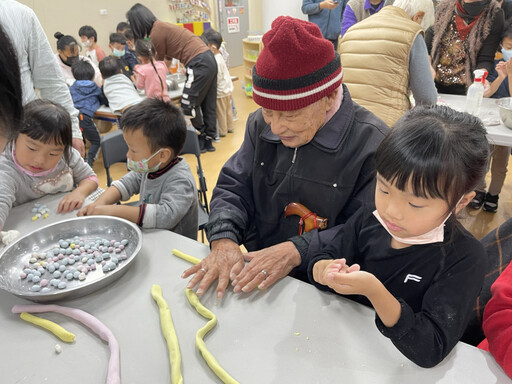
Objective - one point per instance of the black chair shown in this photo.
(113, 149)
(192, 147)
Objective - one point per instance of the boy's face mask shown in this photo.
(118, 53)
(142, 166)
(507, 54)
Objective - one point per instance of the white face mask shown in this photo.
(87, 43)
(435, 235)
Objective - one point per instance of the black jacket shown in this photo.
(436, 284)
(333, 175)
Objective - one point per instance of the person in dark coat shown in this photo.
(309, 143)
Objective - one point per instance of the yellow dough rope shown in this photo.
(206, 313)
(54, 328)
(169, 334)
(207, 356)
(184, 256)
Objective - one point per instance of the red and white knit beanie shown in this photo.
(296, 66)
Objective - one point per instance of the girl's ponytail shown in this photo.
(145, 48)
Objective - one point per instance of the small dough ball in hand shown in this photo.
(8, 237)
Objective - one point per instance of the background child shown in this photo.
(151, 74)
(500, 87)
(155, 132)
(89, 39)
(68, 54)
(118, 89)
(421, 277)
(87, 97)
(118, 47)
(40, 160)
(130, 45)
(224, 85)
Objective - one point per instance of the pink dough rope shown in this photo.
(113, 374)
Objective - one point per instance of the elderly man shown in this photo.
(309, 143)
(385, 58)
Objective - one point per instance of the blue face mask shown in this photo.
(507, 54)
(118, 53)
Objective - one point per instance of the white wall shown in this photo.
(274, 8)
(67, 16)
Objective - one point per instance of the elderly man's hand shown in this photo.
(267, 266)
(78, 144)
(225, 261)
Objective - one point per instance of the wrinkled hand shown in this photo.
(328, 4)
(225, 261)
(277, 261)
(71, 201)
(79, 145)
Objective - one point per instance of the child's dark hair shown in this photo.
(117, 38)
(213, 37)
(123, 25)
(145, 48)
(507, 31)
(162, 124)
(128, 33)
(88, 32)
(11, 107)
(64, 41)
(82, 70)
(442, 153)
(49, 123)
(141, 20)
(109, 66)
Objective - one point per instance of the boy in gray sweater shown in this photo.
(155, 132)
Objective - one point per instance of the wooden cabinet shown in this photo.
(251, 49)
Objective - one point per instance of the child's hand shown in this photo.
(89, 210)
(352, 283)
(71, 201)
(502, 69)
(324, 268)
(509, 67)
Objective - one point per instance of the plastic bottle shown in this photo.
(476, 93)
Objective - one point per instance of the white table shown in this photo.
(106, 114)
(292, 333)
(497, 132)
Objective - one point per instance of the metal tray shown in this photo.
(17, 255)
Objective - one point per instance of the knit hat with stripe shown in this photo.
(296, 66)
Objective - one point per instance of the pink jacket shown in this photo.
(497, 321)
(148, 80)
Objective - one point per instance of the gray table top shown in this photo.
(292, 333)
(173, 95)
(497, 132)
